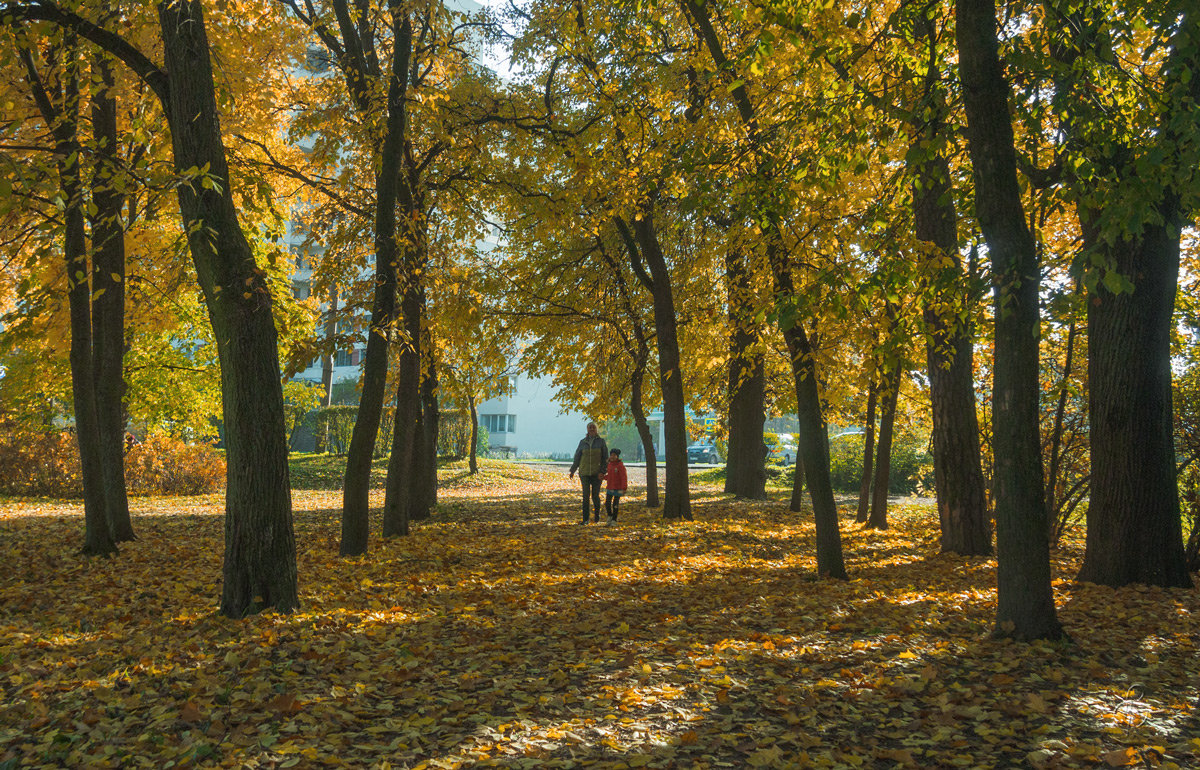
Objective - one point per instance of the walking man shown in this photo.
(591, 458)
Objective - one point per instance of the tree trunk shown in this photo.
(638, 409)
(402, 494)
(796, 503)
(356, 491)
(957, 463)
(677, 500)
(1134, 533)
(1025, 599)
(813, 447)
(59, 107)
(813, 444)
(745, 474)
(108, 304)
(322, 430)
(430, 417)
(260, 549)
(864, 487)
(473, 463)
(883, 462)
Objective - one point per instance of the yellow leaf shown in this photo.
(1121, 757)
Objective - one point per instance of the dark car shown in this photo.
(703, 453)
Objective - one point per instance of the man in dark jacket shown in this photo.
(591, 457)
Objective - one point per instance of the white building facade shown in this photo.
(528, 423)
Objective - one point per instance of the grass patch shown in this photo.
(327, 471)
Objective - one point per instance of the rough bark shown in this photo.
(1134, 532)
(745, 472)
(1025, 599)
(260, 549)
(108, 303)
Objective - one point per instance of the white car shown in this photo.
(784, 452)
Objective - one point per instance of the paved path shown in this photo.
(635, 471)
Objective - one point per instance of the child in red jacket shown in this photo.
(616, 482)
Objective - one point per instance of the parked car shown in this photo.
(781, 448)
(703, 453)
(784, 453)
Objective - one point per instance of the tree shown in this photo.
(599, 111)
(60, 106)
(1127, 110)
(813, 446)
(1025, 606)
(108, 301)
(352, 45)
(260, 552)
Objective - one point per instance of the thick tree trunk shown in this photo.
(745, 474)
(1134, 534)
(1025, 605)
(260, 549)
(108, 305)
(957, 463)
(868, 465)
(883, 461)
(677, 499)
(356, 491)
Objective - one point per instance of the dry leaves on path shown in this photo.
(502, 633)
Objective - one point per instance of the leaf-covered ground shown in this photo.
(501, 633)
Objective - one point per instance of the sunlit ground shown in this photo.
(502, 633)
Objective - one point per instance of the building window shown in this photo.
(499, 423)
(345, 358)
(301, 289)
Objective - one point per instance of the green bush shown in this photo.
(338, 420)
(911, 470)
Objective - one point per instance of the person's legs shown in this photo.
(613, 504)
(584, 483)
(609, 500)
(595, 499)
